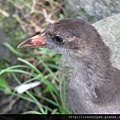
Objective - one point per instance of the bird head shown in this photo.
(69, 36)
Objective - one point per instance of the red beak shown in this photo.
(37, 41)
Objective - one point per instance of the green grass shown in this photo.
(50, 80)
(49, 60)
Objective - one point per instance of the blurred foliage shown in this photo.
(34, 15)
(20, 19)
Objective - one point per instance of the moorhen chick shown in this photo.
(92, 83)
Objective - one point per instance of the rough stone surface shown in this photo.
(109, 29)
(92, 10)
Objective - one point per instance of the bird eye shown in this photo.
(58, 39)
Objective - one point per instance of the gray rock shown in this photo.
(92, 10)
(109, 29)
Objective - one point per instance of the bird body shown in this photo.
(92, 83)
(84, 96)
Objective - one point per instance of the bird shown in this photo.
(92, 83)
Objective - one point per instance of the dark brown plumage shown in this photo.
(93, 85)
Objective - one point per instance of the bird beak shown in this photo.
(37, 41)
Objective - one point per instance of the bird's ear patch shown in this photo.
(76, 43)
(73, 39)
(73, 43)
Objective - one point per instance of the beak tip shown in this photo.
(19, 46)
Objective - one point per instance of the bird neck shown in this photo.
(96, 68)
(94, 75)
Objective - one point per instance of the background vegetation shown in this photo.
(20, 19)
